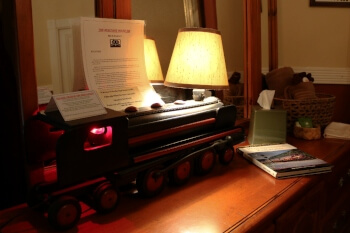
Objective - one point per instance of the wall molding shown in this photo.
(324, 75)
(327, 75)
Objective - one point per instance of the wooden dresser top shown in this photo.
(237, 198)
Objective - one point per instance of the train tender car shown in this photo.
(92, 158)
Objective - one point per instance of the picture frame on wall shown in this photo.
(330, 3)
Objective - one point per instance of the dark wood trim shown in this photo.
(210, 19)
(105, 8)
(25, 58)
(342, 96)
(117, 9)
(123, 9)
(252, 54)
(19, 95)
(330, 3)
(272, 31)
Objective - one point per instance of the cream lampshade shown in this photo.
(153, 68)
(198, 60)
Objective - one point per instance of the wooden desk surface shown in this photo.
(233, 198)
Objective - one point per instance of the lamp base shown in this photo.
(198, 94)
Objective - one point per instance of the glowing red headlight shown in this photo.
(101, 130)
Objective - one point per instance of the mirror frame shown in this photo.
(25, 70)
(272, 34)
(252, 54)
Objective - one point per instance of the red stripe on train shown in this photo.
(184, 146)
(162, 133)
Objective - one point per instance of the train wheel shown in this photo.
(181, 174)
(226, 156)
(150, 183)
(64, 213)
(106, 197)
(205, 162)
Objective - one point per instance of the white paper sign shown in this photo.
(121, 98)
(76, 105)
(113, 61)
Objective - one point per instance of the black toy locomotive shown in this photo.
(96, 156)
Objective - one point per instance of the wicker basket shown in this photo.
(320, 110)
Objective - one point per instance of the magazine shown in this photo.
(284, 160)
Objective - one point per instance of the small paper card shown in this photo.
(119, 99)
(76, 105)
(44, 95)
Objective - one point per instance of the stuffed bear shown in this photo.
(302, 77)
(278, 80)
(302, 87)
(236, 88)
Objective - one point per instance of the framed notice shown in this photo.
(330, 3)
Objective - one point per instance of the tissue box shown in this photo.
(267, 126)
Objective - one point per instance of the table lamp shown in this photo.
(198, 62)
(153, 68)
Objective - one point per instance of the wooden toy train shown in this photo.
(96, 156)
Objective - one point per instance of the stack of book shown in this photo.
(284, 160)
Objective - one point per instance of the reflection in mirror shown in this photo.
(52, 36)
(53, 41)
(163, 18)
(230, 24)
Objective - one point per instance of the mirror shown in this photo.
(163, 19)
(230, 24)
(52, 33)
(26, 62)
